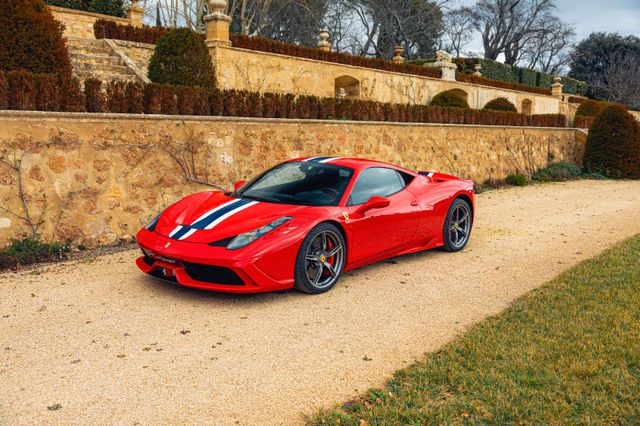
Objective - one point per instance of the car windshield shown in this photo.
(304, 183)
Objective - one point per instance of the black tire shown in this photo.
(456, 230)
(314, 260)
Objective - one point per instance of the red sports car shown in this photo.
(303, 223)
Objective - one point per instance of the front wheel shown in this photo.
(457, 226)
(320, 260)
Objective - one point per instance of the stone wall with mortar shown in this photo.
(97, 178)
(268, 72)
(79, 23)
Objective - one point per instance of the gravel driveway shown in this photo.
(96, 341)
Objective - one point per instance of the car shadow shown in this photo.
(187, 294)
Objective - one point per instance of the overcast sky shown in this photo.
(588, 16)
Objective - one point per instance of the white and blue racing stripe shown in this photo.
(212, 218)
(321, 159)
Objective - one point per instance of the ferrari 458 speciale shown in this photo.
(303, 223)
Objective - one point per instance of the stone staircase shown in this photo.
(95, 59)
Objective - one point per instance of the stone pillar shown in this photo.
(478, 69)
(445, 64)
(398, 51)
(135, 14)
(556, 87)
(217, 23)
(324, 44)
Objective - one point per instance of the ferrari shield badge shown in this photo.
(346, 215)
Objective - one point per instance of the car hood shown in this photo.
(208, 217)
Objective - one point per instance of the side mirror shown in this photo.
(373, 203)
(239, 184)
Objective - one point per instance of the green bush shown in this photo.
(448, 99)
(590, 108)
(544, 80)
(498, 71)
(517, 180)
(613, 144)
(528, 77)
(29, 250)
(500, 104)
(181, 58)
(105, 7)
(32, 39)
(558, 172)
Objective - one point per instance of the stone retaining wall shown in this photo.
(79, 23)
(97, 178)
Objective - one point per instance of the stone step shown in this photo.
(92, 67)
(105, 77)
(90, 50)
(97, 59)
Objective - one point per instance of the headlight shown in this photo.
(247, 238)
(152, 225)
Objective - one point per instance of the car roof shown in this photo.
(357, 164)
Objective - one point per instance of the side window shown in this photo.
(376, 181)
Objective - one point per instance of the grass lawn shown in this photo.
(567, 353)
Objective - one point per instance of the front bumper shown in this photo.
(210, 268)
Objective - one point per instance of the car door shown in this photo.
(385, 231)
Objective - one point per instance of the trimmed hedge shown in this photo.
(583, 122)
(40, 92)
(500, 104)
(32, 39)
(137, 98)
(272, 46)
(613, 144)
(590, 108)
(104, 28)
(181, 58)
(470, 78)
(104, 7)
(448, 99)
(512, 74)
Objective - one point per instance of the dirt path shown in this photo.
(113, 346)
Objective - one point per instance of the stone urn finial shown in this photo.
(324, 40)
(217, 6)
(217, 23)
(556, 87)
(398, 51)
(478, 70)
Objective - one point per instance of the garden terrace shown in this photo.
(25, 91)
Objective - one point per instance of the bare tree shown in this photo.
(506, 25)
(414, 24)
(458, 27)
(619, 82)
(548, 49)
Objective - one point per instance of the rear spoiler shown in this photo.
(438, 177)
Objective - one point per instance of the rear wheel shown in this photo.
(320, 260)
(457, 226)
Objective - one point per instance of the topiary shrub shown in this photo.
(96, 101)
(22, 90)
(558, 172)
(181, 58)
(71, 97)
(32, 39)
(47, 93)
(4, 92)
(590, 108)
(107, 7)
(613, 144)
(448, 100)
(500, 104)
